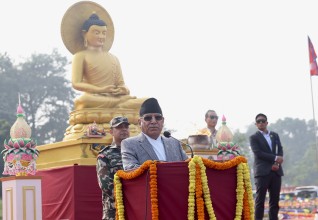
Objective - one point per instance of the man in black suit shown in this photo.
(268, 172)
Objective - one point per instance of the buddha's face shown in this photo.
(96, 36)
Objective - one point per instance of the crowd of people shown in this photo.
(297, 206)
(294, 206)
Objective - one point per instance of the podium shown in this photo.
(134, 196)
(21, 198)
(72, 192)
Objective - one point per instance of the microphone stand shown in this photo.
(189, 147)
(167, 134)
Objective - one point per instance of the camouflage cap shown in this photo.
(118, 120)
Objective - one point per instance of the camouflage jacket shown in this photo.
(108, 163)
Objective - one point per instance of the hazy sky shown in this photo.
(239, 58)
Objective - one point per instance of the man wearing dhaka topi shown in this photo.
(150, 144)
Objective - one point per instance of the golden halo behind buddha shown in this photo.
(73, 20)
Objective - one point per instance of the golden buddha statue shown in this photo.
(88, 33)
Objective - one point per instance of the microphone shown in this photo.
(167, 134)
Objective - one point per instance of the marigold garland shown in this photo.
(206, 190)
(239, 192)
(198, 186)
(246, 208)
(120, 210)
(224, 165)
(199, 192)
(248, 188)
(191, 197)
(116, 213)
(133, 174)
(154, 191)
(149, 164)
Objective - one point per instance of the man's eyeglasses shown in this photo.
(150, 117)
(260, 121)
(214, 117)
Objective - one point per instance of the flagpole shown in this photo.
(313, 72)
(315, 124)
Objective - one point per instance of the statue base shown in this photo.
(79, 120)
(76, 148)
(72, 152)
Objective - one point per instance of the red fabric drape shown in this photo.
(173, 182)
(71, 193)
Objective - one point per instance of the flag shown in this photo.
(312, 59)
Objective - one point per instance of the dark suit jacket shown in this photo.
(264, 157)
(136, 150)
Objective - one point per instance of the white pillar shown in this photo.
(21, 198)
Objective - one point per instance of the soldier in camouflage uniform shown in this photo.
(108, 163)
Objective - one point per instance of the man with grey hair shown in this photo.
(150, 144)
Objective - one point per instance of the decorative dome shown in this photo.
(227, 149)
(20, 151)
(20, 129)
(224, 134)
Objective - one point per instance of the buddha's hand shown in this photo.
(114, 90)
(110, 89)
(121, 90)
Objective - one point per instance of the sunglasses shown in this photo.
(260, 121)
(150, 117)
(214, 117)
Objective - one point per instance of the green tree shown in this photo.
(46, 94)
(8, 87)
(240, 139)
(306, 169)
(4, 130)
(4, 133)
(296, 137)
(6, 66)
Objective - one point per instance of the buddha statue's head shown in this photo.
(94, 32)
(78, 21)
(93, 20)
